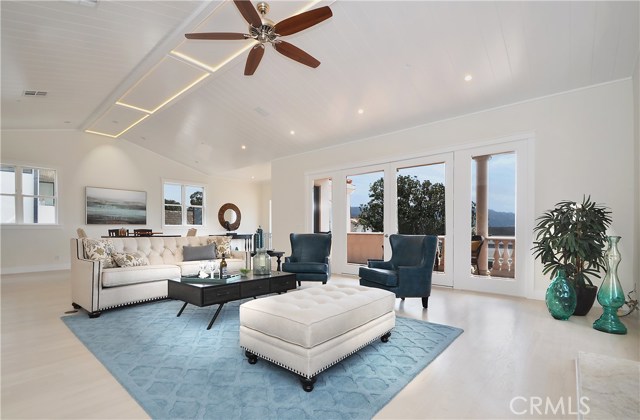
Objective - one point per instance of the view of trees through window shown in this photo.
(421, 202)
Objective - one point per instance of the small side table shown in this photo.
(272, 253)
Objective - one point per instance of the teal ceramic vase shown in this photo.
(561, 297)
(610, 295)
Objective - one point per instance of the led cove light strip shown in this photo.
(120, 133)
(171, 98)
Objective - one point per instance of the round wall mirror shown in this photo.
(229, 216)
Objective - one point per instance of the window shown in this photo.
(183, 204)
(28, 195)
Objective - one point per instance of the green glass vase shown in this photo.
(610, 294)
(561, 297)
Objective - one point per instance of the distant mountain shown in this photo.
(501, 219)
(502, 223)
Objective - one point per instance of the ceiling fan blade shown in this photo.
(302, 21)
(217, 35)
(249, 12)
(295, 53)
(255, 55)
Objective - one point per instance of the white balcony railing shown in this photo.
(501, 256)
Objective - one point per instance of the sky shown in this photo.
(502, 182)
(174, 191)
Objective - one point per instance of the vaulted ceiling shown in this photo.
(401, 63)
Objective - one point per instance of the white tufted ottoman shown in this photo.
(309, 330)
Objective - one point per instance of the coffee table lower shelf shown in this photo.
(221, 292)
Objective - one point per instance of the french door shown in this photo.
(458, 196)
(406, 197)
(492, 190)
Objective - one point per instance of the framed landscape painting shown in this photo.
(107, 206)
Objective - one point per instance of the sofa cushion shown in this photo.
(122, 276)
(379, 276)
(305, 267)
(130, 260)
(99, 250)
(197, 253)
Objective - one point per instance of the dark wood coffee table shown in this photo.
(221, 291)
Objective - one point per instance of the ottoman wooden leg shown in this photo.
(252, 358)
(307, 384)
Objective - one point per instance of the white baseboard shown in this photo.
(35, 268)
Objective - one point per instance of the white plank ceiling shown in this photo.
(403, 63)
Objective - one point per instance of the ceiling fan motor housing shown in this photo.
(264, 33)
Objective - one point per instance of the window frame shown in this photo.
(184, 203)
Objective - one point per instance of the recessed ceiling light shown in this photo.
(243, 147)
(292, 132)
(468, 78)
(361, 111)
(253, 177)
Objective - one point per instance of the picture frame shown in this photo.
(107, 206)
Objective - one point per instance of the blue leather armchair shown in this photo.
(408, 272)
(309, 258)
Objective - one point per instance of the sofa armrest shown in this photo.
(85, 278)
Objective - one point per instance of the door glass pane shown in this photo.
(365, 204)
(322, 205)
(493, 214)
(421, 204)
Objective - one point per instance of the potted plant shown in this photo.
(572, 237)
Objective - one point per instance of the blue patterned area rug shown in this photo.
(176, 368)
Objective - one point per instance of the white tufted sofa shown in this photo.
(96, 288)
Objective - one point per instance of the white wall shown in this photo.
(584, 143)
(636, 116)
(88, 160)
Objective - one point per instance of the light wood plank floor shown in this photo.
(511, 348)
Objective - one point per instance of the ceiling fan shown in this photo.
(265, 31)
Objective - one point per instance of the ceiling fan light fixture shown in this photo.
(263, 30)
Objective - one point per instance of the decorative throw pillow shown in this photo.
(198, 253)
(99, 250)
(223, 245)
(130, 260)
